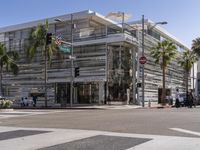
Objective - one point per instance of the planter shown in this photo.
(6, 109)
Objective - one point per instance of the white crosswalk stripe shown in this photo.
(59, 136)
(22, 113)
(17, 113)
(186, 131)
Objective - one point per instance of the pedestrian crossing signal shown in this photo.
(139, 85)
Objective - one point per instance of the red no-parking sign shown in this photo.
(143, 60)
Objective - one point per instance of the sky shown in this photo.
(183, 16)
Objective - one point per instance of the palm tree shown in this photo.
(186, 61)
(164, 53)
(196, 46)
(37, 41)
(7, 59)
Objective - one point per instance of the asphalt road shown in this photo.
(141, 121)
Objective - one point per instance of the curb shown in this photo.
(156, 107)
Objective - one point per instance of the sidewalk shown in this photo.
(152, 105)
(108, 107)
(85, 107)
(156, 105)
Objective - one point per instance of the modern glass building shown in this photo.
(106, 54)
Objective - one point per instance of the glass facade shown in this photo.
(120, 78)
(106, 58)
(93, 60)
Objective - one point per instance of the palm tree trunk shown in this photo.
(1, 77)
(45, 76)
(186, 80)
(163, 89)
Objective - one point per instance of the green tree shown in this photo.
(7, 59)
(163, 53)
(187, 59)
(37, 42)
(196, 46)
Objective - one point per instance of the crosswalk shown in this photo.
(69, 139)
(29, 112)
(21, 113)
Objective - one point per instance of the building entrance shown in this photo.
(87, 93)
(62, 93)
(83, 93)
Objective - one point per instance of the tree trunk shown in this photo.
(163, 89)
(186, 80)
(1, 77)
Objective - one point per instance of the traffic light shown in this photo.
(48, 38)
(76, 72)
(139, 85)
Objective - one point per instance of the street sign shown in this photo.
(63, 45)
(65, 48)
(143, 60)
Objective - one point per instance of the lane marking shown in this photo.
(186, 131)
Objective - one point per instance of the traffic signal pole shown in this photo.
(142, 64)
(72, 64)
(48, 41)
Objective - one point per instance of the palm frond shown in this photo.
(14, 68)
(188, 58)
(164, 52)
(196, 46)
(46, 25)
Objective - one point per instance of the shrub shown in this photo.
(5, 103)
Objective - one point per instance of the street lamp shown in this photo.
(161, 23)
(72, 26)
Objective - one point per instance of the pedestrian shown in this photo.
(171, 100)
(34, 100)
(177, 96)
(22, 102)
(25, 101)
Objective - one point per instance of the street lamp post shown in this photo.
(143, 33)
(142, 64)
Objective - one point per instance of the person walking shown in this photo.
(34, 100)
(22, 102)
(177, 96)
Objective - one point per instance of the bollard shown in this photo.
(149, 103)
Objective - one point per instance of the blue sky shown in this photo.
(183, 16)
